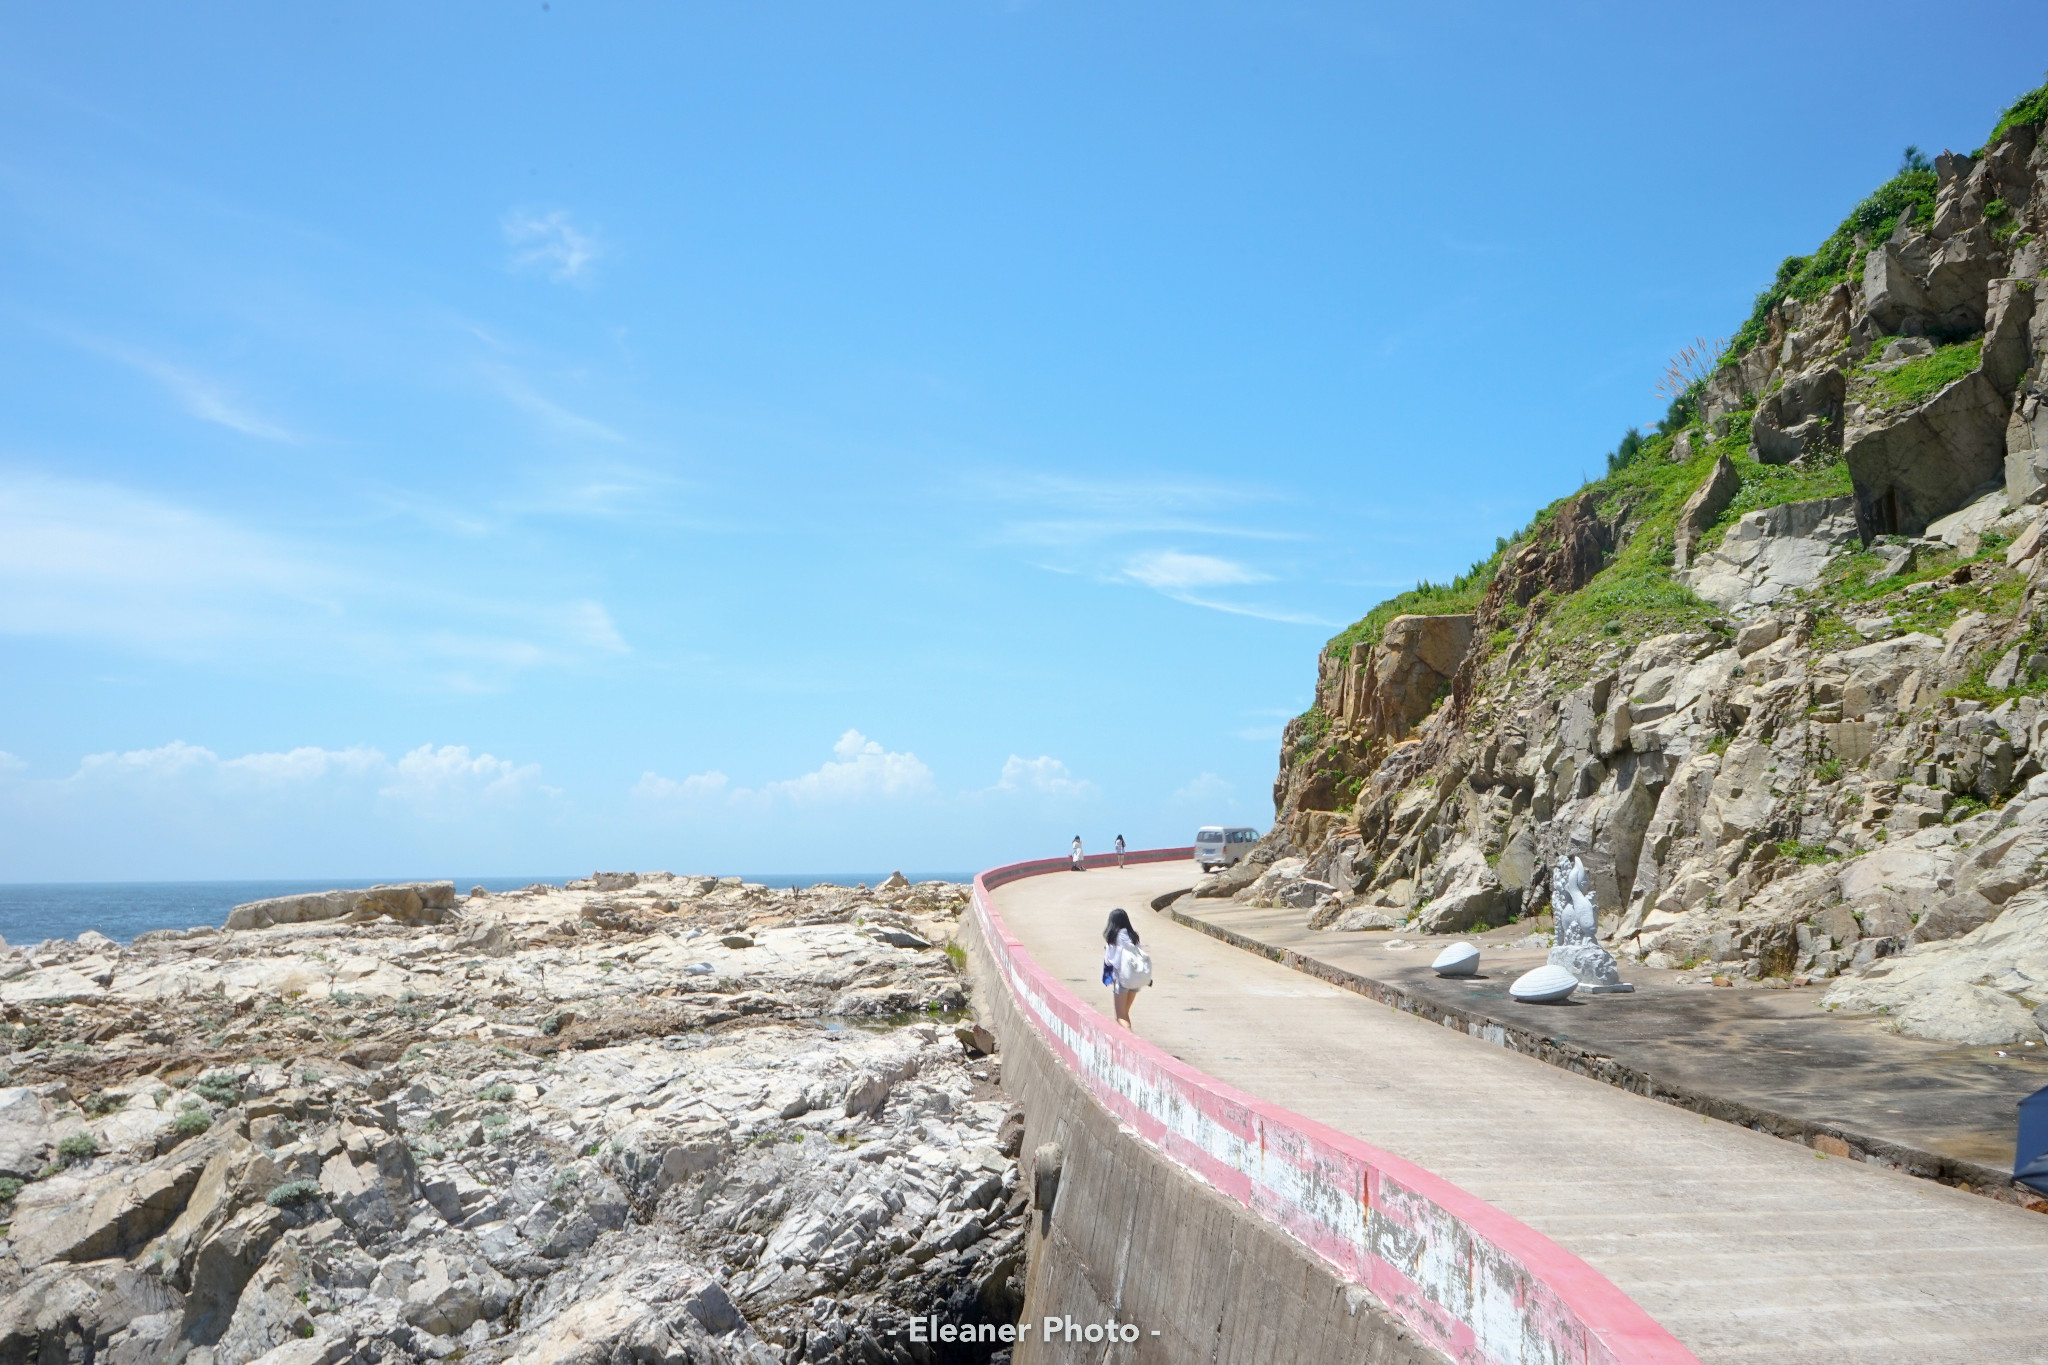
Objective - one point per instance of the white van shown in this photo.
(1216, 846)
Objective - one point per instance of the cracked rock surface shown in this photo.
(645, 1118)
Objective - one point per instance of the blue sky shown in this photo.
(794, 437)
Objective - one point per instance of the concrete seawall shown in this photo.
(1223, 1228)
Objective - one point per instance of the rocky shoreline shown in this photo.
(641, 1117)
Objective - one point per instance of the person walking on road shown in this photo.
(1125, 968)
(1119, 851)
(1080, 864)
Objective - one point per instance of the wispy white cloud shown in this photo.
(1175, 574)
(200, 395)
(860, 769)
(1073, 513)
(95, 560)
(1044, 775)
(428, 777)
(561, 419)
(549, 243)
(703, 786)
(1171, 571)
(1256, 611)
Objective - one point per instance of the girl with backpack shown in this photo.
(1126, 967)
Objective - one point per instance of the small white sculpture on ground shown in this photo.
(1546, 985)
(1578, 948)
(1460, 959)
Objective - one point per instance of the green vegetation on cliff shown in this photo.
(1924, 376)
(2031, 107)
(1643, 491)
(1461, 594)
(1808, 277)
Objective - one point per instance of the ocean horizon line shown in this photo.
(33, 912)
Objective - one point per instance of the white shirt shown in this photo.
(1123, 936)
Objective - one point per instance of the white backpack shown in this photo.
(1133, 968)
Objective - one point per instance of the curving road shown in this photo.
(1746, 1247)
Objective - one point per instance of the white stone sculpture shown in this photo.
(1577, 941)
(1549, 984)
(1460, 959)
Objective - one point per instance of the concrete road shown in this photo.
(1746, 1247)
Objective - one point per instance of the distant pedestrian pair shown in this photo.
(1080, 863)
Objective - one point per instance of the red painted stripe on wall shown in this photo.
(1477, 1283)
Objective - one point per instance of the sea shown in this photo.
(33, 911)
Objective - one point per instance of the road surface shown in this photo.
(1745, 1247)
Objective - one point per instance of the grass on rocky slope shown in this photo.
(1924, 376)
(1635, 594)
(2031, 107)
(1461, 594)
(1846, 592)
(1837, 258)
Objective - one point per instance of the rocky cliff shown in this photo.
(656, 1119)
(1780, 678)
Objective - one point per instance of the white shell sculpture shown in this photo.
(1460, 959)
(1546, 985)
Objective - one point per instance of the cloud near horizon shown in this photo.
(1045, 775)
(860, 769)
(426, 777)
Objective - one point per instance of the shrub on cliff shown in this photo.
(1807, 277)
(2031, 107)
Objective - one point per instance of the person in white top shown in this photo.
(1119, 850)
(1117, 933)
(1080, 865)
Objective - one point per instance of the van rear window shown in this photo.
(1209, 836)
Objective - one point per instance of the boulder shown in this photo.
(222, 1268)
(1800, 419)
(1418, 644)
(661, 1313)
(443, 1293)
(1969, 522)
(408, 903)
(371, 1183)
(1466, 893)
(1913, 467)
(1771, 552)
(1978, 988)
(89, 1305)
(2007, 348)
(1880, 676)
(33, 1120)
(117, 1217)
(2026, 450)
(1269, 884)
(1705, 507)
